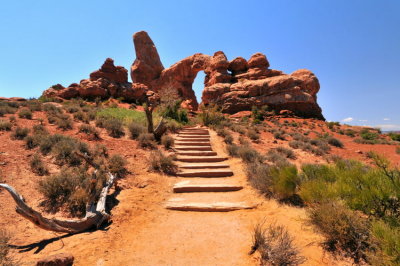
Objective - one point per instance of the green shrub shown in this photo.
(72, 109)
(32, 141)
(344, 230)
(394, 136)
(167, 141)
(211, 116)
(114, 128)
(38, 166)
(20, 133)
(222, 132)
(34, 105)
(387, 241)
(397, 148)
(25, 113)
(276, 157)
(228, 139)
(117, 165)
(146, 140)
(275, 246)
(335, 142)
(5, 126)
(81, 116)
(239, 129)
(161, 163)
(366, 134)
(173, 126)
(135, 130)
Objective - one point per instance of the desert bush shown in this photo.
(81, 116)
(222, 132)
(296, 144)
(117, 165)
(58, 188)
(7, 109)
(335, 142)
(173, 126)
(89, 130)
(280, 181)
(167, 141)
(243, 141)
(135, 130)
(146, 140)
(5, 259)
(394, 136)
(65, 152)
(5, 125)
(114, 127)
(279, 135)
(162, 163)
(276, 157)
(38, 166)
(32, 141)
(386, 239)
(253, 135)
(20, 133)
(72, 108)
(321, 144)
(228, 139)
(397, 148)
(64, 122)
(233, 150)
(39, 129)
(275, 245)
(344, 230)
(239, 129)
(25, 113)
(100, 122)
(34, 105)
(211, 116)
(249, 155)
(366, 134)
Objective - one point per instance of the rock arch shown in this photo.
(235, 86)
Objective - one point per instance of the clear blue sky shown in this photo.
(352, 46)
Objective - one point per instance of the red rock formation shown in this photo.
(249, 83)
(108, 81)
(235, 86)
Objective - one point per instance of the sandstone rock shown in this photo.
(238, 66)
(147, 65)
(62, 259)
(110, 72)
(258, 60)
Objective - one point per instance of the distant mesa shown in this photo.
(235, 85)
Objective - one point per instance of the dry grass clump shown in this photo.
(25, 113)
(38, 166)
(345, 231)
(5, 125)
(20, 133)
(147, 140)
(114, 127)
(135, 130)
(117, 165)
(335, 142)
(253, 134)
(280, 155)
(5, 259)
(159, 162)
(167, 141)
(275, 245)
(90, 131)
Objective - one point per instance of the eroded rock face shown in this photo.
(108, 81)
(235, 86)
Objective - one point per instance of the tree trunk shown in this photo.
(149, 116)
(95, 214)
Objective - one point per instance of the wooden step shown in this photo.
(202, 166)
(189, 186)
(197, 153)
(177, 204)
(200, 159)
(192, 143)
(192, 148)
(205, 173)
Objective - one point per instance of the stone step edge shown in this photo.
(207, 207)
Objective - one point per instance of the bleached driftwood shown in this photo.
(95, 212)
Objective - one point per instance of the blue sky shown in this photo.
(352, 46)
